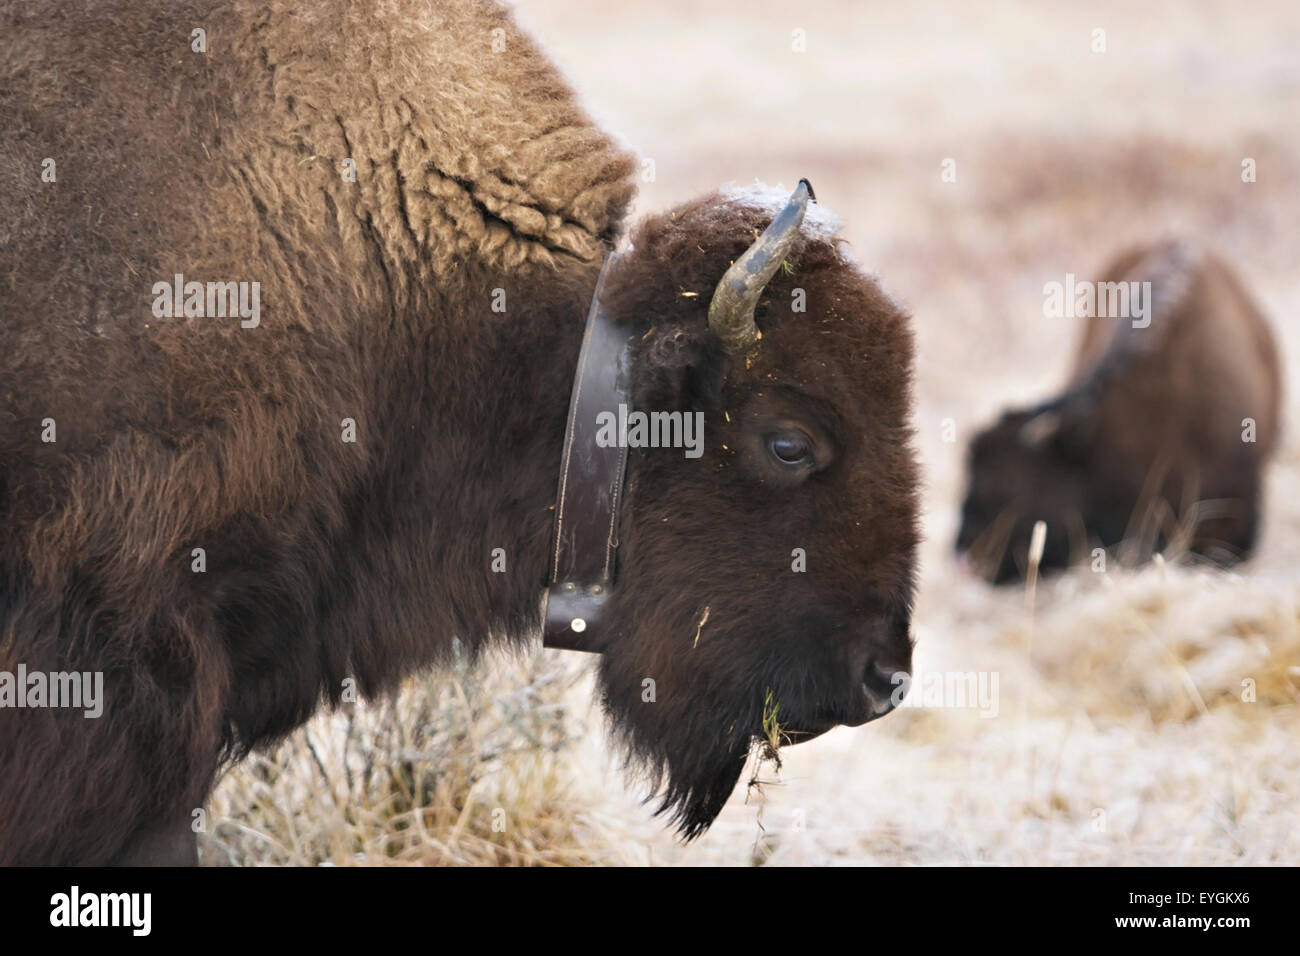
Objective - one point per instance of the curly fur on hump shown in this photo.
(478, 182)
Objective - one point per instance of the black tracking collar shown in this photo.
(591, 488)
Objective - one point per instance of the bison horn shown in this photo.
(731, 313)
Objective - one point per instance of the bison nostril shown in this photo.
(883, 678)
(885, 686)
(879, 665)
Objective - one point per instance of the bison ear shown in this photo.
(1040, 429)
(1065, 433)
(680, 369)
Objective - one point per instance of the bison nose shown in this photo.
(880, 666)
(885, 665)
(884, 685)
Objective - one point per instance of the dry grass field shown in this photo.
(1120, 735)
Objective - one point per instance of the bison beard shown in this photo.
(693, 738)
(691, 766)
(713, 702)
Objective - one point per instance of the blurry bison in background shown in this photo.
(1159, 438)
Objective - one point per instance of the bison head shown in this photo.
(1025, 468)
(765, 587)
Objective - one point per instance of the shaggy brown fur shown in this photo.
(328, 560)
(1149, 443)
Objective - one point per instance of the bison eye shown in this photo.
(790, 449)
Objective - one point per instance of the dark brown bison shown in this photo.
(292, 299)
(1158, 439)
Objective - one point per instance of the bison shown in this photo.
(1159, 438)
(292, 297)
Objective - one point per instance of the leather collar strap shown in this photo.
(591, 488)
